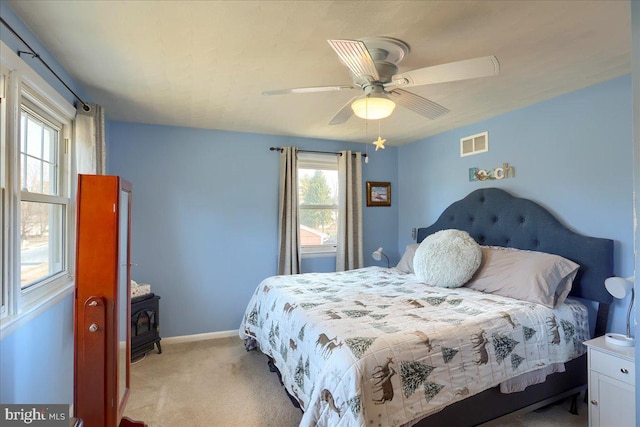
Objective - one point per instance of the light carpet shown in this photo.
(218, 383)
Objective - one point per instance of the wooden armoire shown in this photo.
(102, 301)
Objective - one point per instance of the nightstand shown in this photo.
(611, 384)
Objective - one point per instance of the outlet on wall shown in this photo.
(414, 233)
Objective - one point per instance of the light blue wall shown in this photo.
(36, 361)
(205, 216)
(572, 154)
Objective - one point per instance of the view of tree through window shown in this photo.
(318, 194)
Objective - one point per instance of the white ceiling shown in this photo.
(204, 64)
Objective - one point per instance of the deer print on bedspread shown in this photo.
(323, 340)
(479, 341)
(354, 347)
(554, 330)
(325, 396)
(382, 381)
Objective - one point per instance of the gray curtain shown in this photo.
(89, 136)
(289, 261)
(349, 249)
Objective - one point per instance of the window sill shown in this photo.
(34, 304)
(319, 254)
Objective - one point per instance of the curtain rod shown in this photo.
(313, 151)
(33, 54)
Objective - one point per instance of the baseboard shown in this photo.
(200, 337)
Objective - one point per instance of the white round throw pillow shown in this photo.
(447, 259)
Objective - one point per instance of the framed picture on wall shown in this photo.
(378, 193)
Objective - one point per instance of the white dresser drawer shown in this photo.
(612, 366)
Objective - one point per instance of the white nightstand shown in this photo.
(611, 384)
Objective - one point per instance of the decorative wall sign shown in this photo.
(506, 171)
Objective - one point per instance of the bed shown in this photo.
(376, 346)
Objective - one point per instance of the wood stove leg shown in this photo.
(159, 348)
(128, 422)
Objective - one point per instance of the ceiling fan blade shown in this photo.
(460, 70)
(354, 54)
(418, 104)
(308, 90)
(344, 114)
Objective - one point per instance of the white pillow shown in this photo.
(447, 258)
(406, 262)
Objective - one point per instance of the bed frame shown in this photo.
(496, 218)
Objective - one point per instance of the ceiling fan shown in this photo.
(373, 66)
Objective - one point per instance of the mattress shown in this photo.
(374, 346)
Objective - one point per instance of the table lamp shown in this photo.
(620, 288)
(378, 254)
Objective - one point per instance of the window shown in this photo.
(318, 202)
(36, 193)
(43, 208)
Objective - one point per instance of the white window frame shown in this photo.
(324, 162)
(61, 193)
(21, 83)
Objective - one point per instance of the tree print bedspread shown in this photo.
(375, 347)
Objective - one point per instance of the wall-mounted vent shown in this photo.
(474, 144)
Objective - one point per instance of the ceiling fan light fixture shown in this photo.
(373, 107)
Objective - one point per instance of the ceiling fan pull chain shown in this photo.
(366, 129)
(366, 137)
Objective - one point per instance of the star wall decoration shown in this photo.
(379, 143)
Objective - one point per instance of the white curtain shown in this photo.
(349, 250)
(89, 136)
(289, 260)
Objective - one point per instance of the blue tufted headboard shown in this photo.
(496, 218)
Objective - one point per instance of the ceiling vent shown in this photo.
(474, 144)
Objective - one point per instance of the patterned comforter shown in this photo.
(374, 346)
